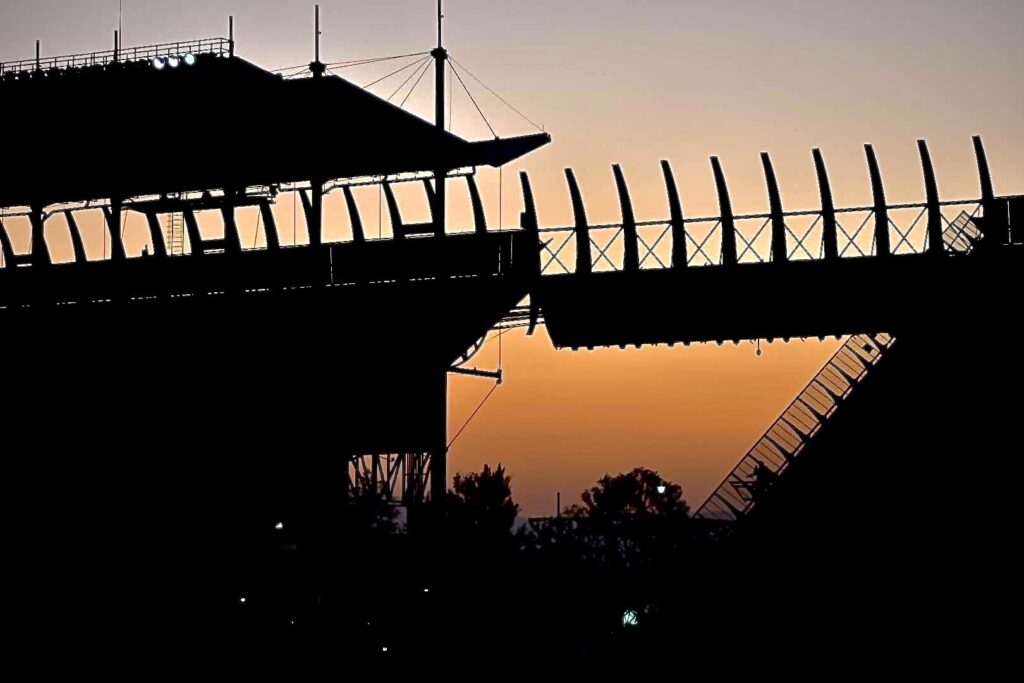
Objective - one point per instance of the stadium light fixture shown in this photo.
(159, 63)
(173, 61)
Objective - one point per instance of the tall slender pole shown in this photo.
(440, 56)
(231, 36)
(37, 55)
(317, 67)
(439, 459)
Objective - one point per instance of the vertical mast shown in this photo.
(317, 67)
(439, 456)
(440, 56)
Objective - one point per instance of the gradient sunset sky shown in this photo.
(630, 83)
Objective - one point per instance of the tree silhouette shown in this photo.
(630, 519)
(481, 502)
(636, 493)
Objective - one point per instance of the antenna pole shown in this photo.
(439, 455)
(440, 56)
(231, 36)
(37, 55)
(117, 46)
(317, 67)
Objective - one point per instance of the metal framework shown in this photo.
(787, 438)
(879, 230)
(828, 234)
(394, 477)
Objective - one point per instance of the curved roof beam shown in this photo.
(779, 252)
(882, 246)
(675, 210)
(631, 258)
(829, 225)
(931, 193)
(479, 217)
(727, 220)
(584, 260)
(358, 234)
(77, 246)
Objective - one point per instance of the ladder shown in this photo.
(174, 234)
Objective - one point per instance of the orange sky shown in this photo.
(630, 83)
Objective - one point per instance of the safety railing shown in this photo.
(218, 46)
(855, 230)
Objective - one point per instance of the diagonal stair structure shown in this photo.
(788, 436)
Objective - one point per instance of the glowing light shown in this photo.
(159, 63)
(384, 649)
(173, 62)
(189, 59)
(630, 618)
(426, 590)
(279, 526)
(242, 599)
(661, 488)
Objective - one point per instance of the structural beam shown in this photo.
(77, 244)
(232, 241)
(156, 235)
(780, 253)
(195, 238)
(931, 193)
(270, 225)
(995, 226)
(431, 202)
(530, 224)
(631, 257)
(676, 223)
(40, 250)
(584, 259)
(725, 208)
(829, 224)
(358, 234)
(479, 217)
(984, 176)
(313, 209)
(113, 216)
(10, 258)
(397, 227)
(881, 209)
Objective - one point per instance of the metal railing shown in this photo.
(217, 46)
(854, 231)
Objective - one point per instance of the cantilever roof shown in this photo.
(128, 129)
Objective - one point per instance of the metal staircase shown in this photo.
(961, 234)
(786, 439)
(782, 444)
